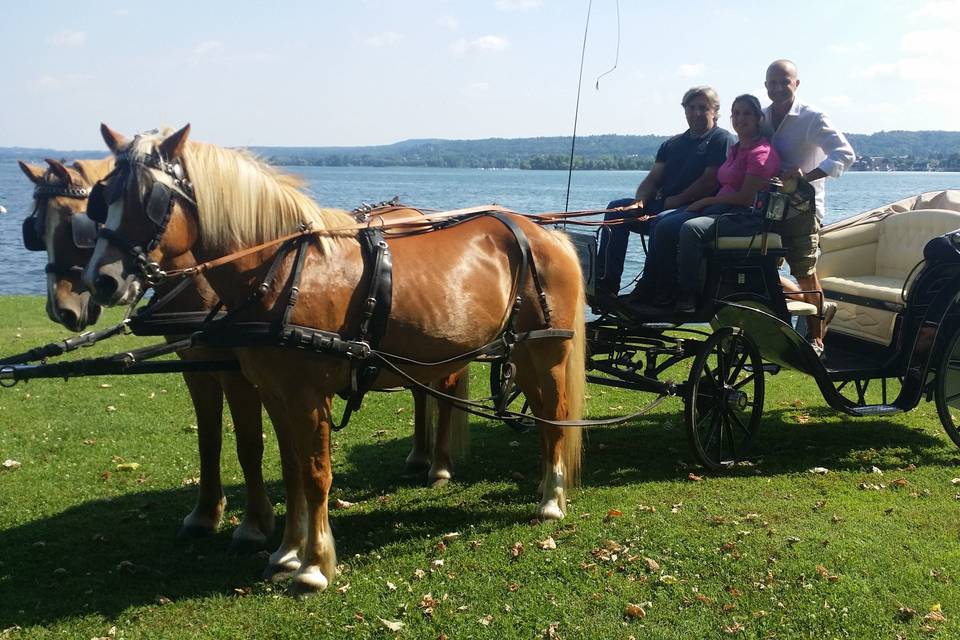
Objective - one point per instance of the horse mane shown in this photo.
(242, 201)
(93, 170)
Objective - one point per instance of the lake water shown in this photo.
(525, 191)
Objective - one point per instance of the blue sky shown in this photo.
(375, 71)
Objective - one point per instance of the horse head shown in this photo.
(148, 212)
(58, 225)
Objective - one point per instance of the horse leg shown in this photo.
(418, 460)
(207, 397)
(285, 560)
(452, 432)
(258, 519)
(319, 558)
(542, 372)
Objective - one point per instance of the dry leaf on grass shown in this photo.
(736, 627)
(905, 614)
(11, 465)
(820, 471)
(634, 612)
(341, 504)
(516, 550)
(547, 544)
(392, 625)
(652, 565)
(128, 466)
(692, 477)
(486, 620)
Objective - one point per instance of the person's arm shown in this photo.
(702, 187)
(648, 187)
(742, 198)
(834, 144)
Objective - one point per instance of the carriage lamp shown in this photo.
(772, 203)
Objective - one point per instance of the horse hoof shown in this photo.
(307, 582)
(439, 482)
(245, 547)
(186, 533)
(550, 511)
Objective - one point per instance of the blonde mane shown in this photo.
(242, 201)
(93, 170)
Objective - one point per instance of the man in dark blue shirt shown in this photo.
(684, 170)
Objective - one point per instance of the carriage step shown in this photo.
(876, 410)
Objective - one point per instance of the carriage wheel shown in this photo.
(724, 400)
(506, 395)
(947, 389)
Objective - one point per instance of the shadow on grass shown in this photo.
(105, 556)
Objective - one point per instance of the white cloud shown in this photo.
(691, 70)
(383, 39)
(483, 43)
(876, 70)
(209, 47)
(931, 42)
(939, 11)
(518, 5)
(68, 39)
(450, 23)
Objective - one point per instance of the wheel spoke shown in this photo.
(739, 423)
(950, 399)
(713, 427)
(733, 440)
(738, 368)
(750, 378)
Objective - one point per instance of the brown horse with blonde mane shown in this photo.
(453, 291)
(58, 225)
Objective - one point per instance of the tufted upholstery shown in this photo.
(873, 257)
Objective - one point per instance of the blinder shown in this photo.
(33, 230)
(84, 231)
(97, 204)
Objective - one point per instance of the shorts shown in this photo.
(800, 237)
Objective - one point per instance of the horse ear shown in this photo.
(34, 173)
(172, 147)
(114, 140)
(59, 170)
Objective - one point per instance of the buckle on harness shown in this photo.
(150, 270)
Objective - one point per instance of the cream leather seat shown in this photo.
(865, 261)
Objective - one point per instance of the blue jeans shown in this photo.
(613, 244)
(715, 221)
(664, 247)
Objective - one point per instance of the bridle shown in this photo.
(83, 229)
(169, 179)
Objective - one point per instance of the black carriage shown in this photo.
(894, 273)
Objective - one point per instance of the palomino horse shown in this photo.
(453, 291)
(58, 226)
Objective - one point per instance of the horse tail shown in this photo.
(575, 383)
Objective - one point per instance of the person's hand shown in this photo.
(633, 206)
(791, 174)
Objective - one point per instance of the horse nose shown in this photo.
(70, 320)
(105, 287)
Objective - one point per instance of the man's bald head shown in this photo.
(782, 83)
(783, 66)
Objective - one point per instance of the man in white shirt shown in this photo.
(809, 148)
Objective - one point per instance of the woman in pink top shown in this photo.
(750, 164)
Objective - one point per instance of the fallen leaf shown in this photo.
(736, 627)
(435, 565)
(634, 612)
(613, 513)
(692, 477)
(652, 565)
(392, 625)
(341, 504)
(344, 588)
(647, 508)
(905, 614)
(128, 466)
(11, 465)
(820, 470)
(935, 616)
(899, 482)
(516, 549)
(419, 574)
(548, 544)
(486, 620)
(450, 537)
(802, 418)
(162, 600)
(391, 586)
(111, 408)
(667, 579)
(955, 481)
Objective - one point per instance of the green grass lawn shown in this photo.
(771, 550)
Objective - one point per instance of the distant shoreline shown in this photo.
(883, 151)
